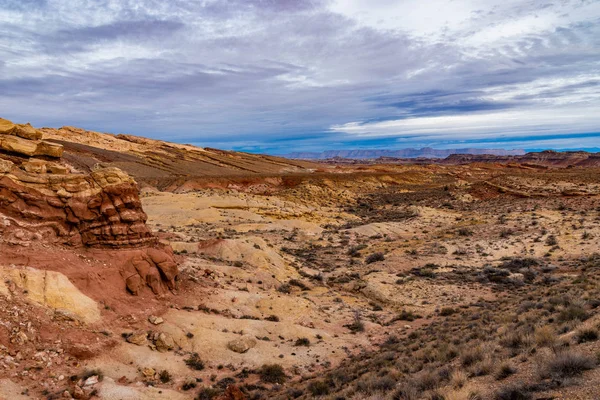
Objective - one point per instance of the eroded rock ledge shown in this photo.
(99, 209)
(42, 200)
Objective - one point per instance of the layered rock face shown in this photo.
(99, 209)
(25, 139)
(40, 199)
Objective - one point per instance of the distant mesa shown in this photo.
(425, 152)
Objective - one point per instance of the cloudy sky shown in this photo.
(299, 75)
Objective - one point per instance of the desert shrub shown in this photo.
(284, 288)
(458, 378)
(369, 385)
(225, 382)
(516, 264)
(446, 311)
(496, 275)
(568, 363)
(407, 391)
(427, 380)
(464, 232)
(504, 371)
(302, 342)
(545, 336)
(194, 362)
(515, 340)
(406, 316)
(297, 283)
(295, 393)
(471, 355)
(436, 395)
(482, 368)
(425, 272)
(551, 241)
(207, 393)
(164, 376)
(318, 388)
(356, 325)
(587, 335)
(513, 392)
(272, 373)
(573, 312)
(375, 257)
(354, 250)
(188, 386)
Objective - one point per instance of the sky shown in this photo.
(279, 76)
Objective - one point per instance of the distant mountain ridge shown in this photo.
(425, 152)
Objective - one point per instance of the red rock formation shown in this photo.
(41, 200)
(153, 268)
(99, 209)
(232, 393)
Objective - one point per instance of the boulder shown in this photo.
(26, 131)
(138, 338)
(154, 320)
(154, 268)
(15, 144)
(35, 166)
(242, 344)
(6, 127)
(49, 149)
(148, 372)
(164, 342)
(57, 169)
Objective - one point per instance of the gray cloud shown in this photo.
(268, 71)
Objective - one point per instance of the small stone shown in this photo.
(164, 342)
(78, 393)
(92, 380)
(21, 337)
(138, 338)
(148, 372)
(155, 320)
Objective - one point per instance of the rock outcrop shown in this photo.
(99, 209)
(153, 268)
(26, 140)
(50, 289)
(40, 199)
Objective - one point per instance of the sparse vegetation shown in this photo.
(195, 362)
(375, 257)
(568, 363)
(272, 373)
(302, 342)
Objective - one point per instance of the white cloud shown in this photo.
(528, 122)
(260, 70)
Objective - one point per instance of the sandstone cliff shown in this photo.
(41, 199)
